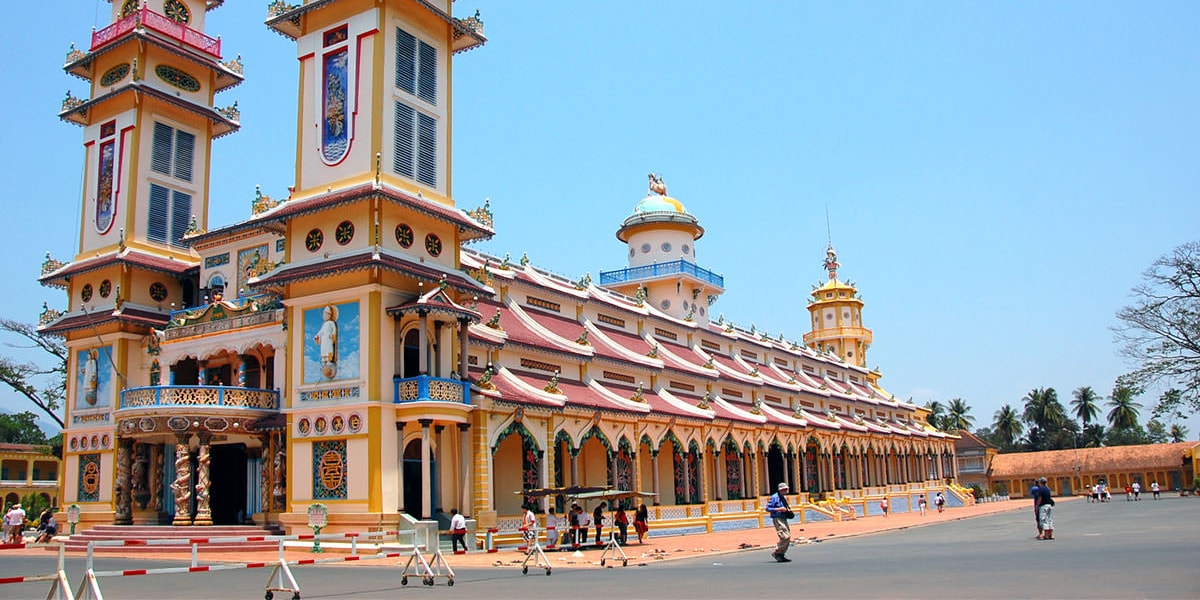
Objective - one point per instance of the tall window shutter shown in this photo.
(160, 200)
(160, 152)
(406, 61)
(185, 144)
(427, 151)
(427, 77)
(181, 216)
(405, 135)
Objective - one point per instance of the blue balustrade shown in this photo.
(674, 267)
(424, 388)
(199, 396)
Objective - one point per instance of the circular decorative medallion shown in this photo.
(404, 235)
(104, 441)
(320, 425)
(433, 244)
(332, 469)
(128, 8)
(177, 78)
(83, 443)
(86, 293)
(313, 240)
(158, 291)
(344, 233)
(95, 441)
(105, 288)
(304, 426)
(115, 74)
(74, 443)
(147, 424)
(355, 422)
(177, 11)
(337, 424)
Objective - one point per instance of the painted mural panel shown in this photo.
(89, 478)
(329, 470)
(94, 379)
(335, 136)
(105, 199)
(331, 334)
(251, 262)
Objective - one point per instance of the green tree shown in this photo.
(21, 428)
(1160, 331)
(1043, 410)
(1124, 413)
(1128, 436)
(1156, 431)
(937, 413)
(1007, 426)
(958, 416)
(1086, 403)
(1178, 432)
(24, 377)
(1093, 436)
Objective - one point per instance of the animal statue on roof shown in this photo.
(656, 184)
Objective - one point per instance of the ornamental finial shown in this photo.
(656, 184)
(831, 262)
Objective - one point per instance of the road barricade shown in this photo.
(281, 578)
(60, 590)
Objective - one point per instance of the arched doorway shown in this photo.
(776, 466)
(411, 472)
(411, 353)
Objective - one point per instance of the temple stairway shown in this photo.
(79, 541)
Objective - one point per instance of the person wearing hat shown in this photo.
(777, 507)
(1044, 503)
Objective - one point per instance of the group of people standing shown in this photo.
(14, 525)
(580, 523)
(1043, 503)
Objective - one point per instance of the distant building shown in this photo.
(974, 456)
(27, 469)
(1069, 472)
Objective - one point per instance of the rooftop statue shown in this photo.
(656, 184)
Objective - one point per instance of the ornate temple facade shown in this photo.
(343, 346)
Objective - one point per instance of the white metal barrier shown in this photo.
(281, 578)
(60, 590)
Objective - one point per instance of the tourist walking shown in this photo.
(1154, 489)
(777, 507)
(621, 522)
(921, 503)
(529, 525)
(458, 530)
(1044, 503)
(641, 523)
(14, 523)
(883, 506)
(940, 502)
(1137, 491)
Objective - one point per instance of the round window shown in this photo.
(86, 293)
(666, 247)
(686, 249)
(632, 252)
(645, 248)
(344, 233)
(313, 240)
(665, 304)
(404, 235)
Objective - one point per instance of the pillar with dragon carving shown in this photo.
(156, 476)
(123, 513)
(182, 486)
(203, 483)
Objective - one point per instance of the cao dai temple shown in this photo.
(344, 346)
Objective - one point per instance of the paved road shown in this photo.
(1120, 549)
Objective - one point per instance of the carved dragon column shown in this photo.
(123, 514)
(182, 486)
(156, 475)
(203, 512)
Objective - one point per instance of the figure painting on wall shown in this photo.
(94, 378)
(333, 352)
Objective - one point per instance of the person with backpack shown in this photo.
(777, 507)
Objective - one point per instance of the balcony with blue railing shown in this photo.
(674, 267)
(200, 396)
(424, 388)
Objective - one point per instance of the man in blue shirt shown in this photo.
(777, 507)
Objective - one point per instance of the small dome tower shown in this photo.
(836, 313)
(661, 237)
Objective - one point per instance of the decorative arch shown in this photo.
(531, 456)
(594, 432)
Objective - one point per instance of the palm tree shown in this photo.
(958, 415)
(937, 412)
(1178, 432)
(1043, 410)
(1087, 404)
(1124, 413)
(1008, 425)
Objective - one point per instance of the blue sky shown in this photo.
(997, 175)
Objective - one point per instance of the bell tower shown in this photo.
(661, 236)
(836, 313)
